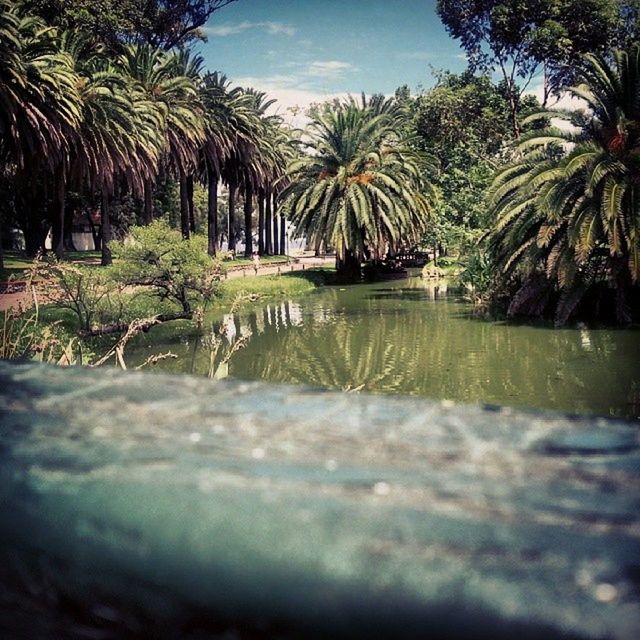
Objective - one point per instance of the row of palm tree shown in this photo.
(567, 211)
(73, 116)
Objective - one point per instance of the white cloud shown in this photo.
(328, 68)
(274, 28)
(292, 101)
(294, 90)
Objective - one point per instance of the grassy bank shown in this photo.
(296, 283)
(254, 289)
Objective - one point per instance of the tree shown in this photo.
(519, 38)
(362, 188)
(567, 212)
(224, 110)
(170, 82)
(163, 24)
(464, 122)
(39, 113)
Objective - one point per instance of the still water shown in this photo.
(415, 337)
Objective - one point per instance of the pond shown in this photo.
(418, 338)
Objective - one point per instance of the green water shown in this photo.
(413, 337)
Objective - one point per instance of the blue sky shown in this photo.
(301, 51)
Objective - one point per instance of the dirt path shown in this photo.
(17, 294)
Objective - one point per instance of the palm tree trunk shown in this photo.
(268, 246)
(105, 224)
(59, 213)
(67, 236)
(248, 225)
(212, 211)
(231, 223)
(283, 248)
(192, 217)
(276, 235)
(184, 207)
(348, 268)
(261, 221)
(148, 201)
(1, 243)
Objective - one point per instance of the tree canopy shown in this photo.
(363, 187)
(567, 211)
(160, 23)
(521, 38)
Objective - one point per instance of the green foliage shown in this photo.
(463, 121)
(91, 294)
(175, 270)
(478, 272)
(156, 22)
(518, 36)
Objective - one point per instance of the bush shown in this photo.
(175, 270)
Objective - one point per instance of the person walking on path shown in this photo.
(256, 262)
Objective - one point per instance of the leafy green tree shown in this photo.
(180, 273)
(160, 23)
(521, 37)
(463, 121)
(362, 188)
(567, 212)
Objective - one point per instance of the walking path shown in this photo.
(295, 264)
(17, 294)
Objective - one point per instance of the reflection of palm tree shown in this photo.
(441, 354)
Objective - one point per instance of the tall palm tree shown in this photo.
(243, 167)
(169, 80)
(119, 138)
(39, 112)
(223, 120)
(362, 188)
(567, 212)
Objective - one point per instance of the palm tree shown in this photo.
(120, 137)
(224, 114)
(243, 168)
(567, 212)
(39, 112)
(363, 188)
(169, 81)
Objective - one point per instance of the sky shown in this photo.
(304, 51)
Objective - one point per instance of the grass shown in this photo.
(241, 261)
(295, 283)
(16, 263)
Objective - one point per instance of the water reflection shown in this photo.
(415, 337)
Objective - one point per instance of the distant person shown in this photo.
(256, 262)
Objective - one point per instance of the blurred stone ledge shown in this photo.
(143, 505)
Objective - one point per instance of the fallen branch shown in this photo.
(156, 358)
(142, 325)
(133, 329)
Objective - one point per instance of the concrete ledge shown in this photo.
(142, 505)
